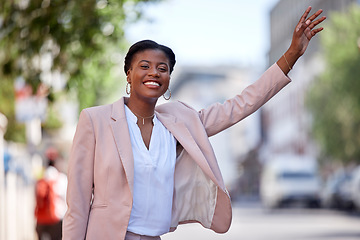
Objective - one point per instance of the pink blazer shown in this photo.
(101, 166)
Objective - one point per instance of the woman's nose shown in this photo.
(154, 72)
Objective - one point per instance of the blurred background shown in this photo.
(292, 168)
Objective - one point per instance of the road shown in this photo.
(251, 222)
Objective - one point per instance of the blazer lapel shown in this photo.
(183, 135)
(121, 135)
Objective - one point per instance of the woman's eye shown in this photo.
(162, 69)
(144, 66)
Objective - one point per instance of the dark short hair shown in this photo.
(145, 45)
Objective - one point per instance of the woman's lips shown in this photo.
(152, 83)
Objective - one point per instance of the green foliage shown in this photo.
(334, 98)
(75, 39)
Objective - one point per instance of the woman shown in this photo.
(137, 170)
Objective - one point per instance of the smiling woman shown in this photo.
(138, 170)
(148, 66)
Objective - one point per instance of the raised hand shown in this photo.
(304, 31)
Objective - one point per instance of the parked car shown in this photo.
(290, 179)
(337, 193)
(355, 188)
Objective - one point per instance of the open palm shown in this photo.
(304, 31)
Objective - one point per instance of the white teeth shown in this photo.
(152, 83)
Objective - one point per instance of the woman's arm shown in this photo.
(303, 33)
(80, 179)
(218, 117)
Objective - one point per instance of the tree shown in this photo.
(334, 98)
(61, 42)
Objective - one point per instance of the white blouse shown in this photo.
(153, 178)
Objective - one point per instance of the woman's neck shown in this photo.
(142, 109)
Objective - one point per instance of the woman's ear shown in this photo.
(128, 79)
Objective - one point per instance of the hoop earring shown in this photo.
(169, 95)
(127, 88)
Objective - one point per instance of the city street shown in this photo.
(251, 222)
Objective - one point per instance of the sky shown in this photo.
(208, 32)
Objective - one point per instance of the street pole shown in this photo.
(3, 124)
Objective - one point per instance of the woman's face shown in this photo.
(149, 74)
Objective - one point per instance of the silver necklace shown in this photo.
(143, 118)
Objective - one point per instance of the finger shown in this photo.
(302, 25)
(315, 15)
(309, 22)
(315, 23)
(312, 33)
(304, 16)
(317, 30)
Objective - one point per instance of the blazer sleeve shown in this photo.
(219, 117)
(80, 179)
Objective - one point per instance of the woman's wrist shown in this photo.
(288, 60)
(292, 55)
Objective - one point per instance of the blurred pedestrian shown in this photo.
(50, 191)
(137, 170)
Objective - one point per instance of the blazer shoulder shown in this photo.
(175, 108)
(101, 111)
(99, 108)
